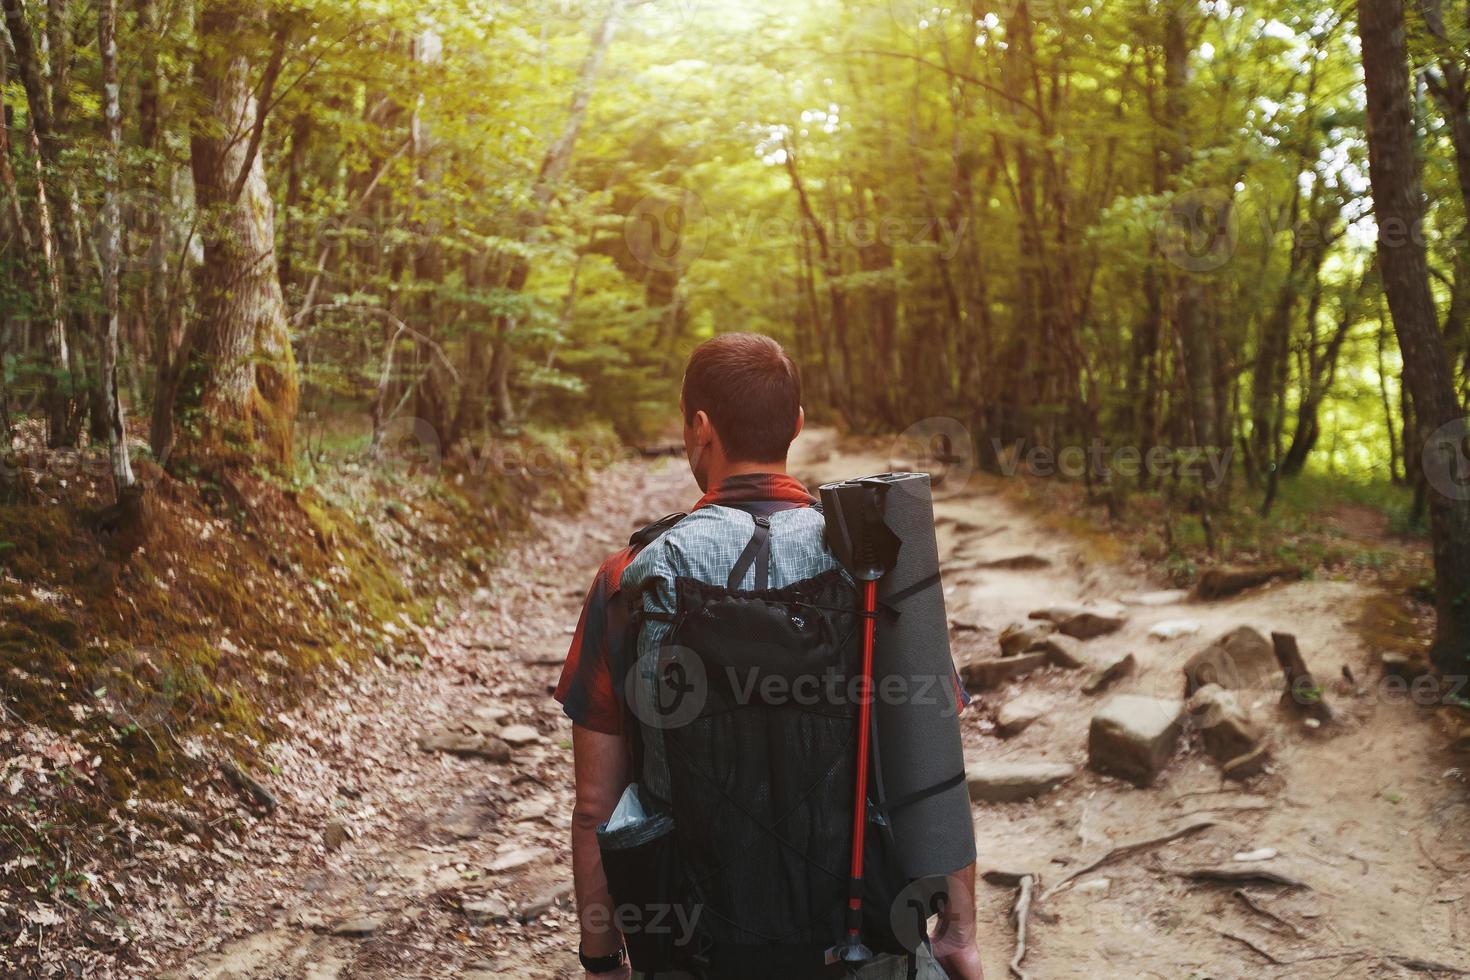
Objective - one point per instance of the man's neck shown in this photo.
(740, 469)
(721, 474)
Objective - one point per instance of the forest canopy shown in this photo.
(1125, 223)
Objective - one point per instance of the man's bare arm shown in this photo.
(602, 775)
(954, 937)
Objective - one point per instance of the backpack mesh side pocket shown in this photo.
(640, 863)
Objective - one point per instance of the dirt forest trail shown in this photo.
(384, 860)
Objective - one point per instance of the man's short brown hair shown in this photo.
(751, 392)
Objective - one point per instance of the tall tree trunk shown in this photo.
(109, 248)
(553, 167)
(1033, 352)
(1388, 419)
(161, 320)
(1451, 91)
(237, 384)
(1191, 306)
(1398, 210)
(60, 412)
(1317, 381)
(836, 294)
(52, 131)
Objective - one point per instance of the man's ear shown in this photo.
(704, 429)
(800, 421)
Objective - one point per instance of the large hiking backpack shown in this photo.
(744, 709)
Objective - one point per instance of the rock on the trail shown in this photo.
(1105, 672)
(1221, 583)
(1020, 637)
(557, 895)
(491, 714)
(532, 809)
(1008, 782)
(984, 674)
(1168, 597)
(1173, 629)
(553, 654)
(1018, 714)
(1055, 614)
(486, 970)
(360, 926)
(1134, 737)
(518, 858)
(1064, 611)
(1085, 624)
(1409, 666)
(1061, 651)
(1260, 854)
(1226, 726)
(467, 820)
(1240, 660)
(1456, 730)
(470, 745)
(334, 835)
(488, 910)
(518, 735)
(1017, 563)
(309, 919)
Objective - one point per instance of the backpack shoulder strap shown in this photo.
(640, 539)
(649, 533)
(757, 552)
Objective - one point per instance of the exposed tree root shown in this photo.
(1127, 850)
(1020, 915)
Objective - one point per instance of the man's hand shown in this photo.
(961, 961)
(953, 942)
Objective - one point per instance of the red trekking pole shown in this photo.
(868, 549)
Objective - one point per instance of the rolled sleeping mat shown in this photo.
(919, 762)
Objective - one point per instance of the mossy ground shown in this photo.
(145, 663)
(1324, 528)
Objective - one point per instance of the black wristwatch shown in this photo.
(603, 964)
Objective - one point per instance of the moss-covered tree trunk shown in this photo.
(237, 390)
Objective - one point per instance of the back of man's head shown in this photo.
(751, 392)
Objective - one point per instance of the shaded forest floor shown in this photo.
(388, 856)
(144, 667)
